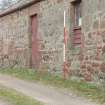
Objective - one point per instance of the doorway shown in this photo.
(35, 43)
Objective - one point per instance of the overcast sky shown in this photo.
(2, 0)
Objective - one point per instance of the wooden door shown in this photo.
(35, 43)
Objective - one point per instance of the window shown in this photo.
(77, 22)
(77, 13)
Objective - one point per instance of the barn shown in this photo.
(32, 36)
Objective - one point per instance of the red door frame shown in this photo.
(35, 57)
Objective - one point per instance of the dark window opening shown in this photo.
(77, 22)
(77, 13)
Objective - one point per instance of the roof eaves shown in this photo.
(18, 7)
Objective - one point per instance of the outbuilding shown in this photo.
(32, 36)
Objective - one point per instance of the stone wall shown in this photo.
(88, 60)
(15, 38)
(84, 61)
(52, 31)
(93, 62)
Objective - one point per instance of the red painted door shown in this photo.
(35, 43)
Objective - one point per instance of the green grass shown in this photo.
(88, 90)
(16, 98)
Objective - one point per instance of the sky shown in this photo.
(2, 0)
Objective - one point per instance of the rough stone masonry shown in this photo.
(84, 60)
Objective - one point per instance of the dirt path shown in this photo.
(3, 103)
(45, 94)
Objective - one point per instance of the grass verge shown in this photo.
(16, 98)
(88, 90)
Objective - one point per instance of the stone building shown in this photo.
(32, 36)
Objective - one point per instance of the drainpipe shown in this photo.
(65, 68)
